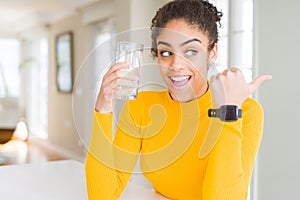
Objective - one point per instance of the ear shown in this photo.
(213, 54)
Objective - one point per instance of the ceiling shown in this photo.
(18, 15)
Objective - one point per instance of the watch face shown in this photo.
(229, 113)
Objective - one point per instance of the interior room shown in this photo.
(46, 105)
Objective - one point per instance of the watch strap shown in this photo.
(216, 113)
(240, 113)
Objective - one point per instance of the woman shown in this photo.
(185, 152)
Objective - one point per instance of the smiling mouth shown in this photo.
(180, 81)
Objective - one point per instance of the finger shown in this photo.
(127, 83)
(258, 81)
(220, 76)
(234, 69)
(114, 76)
(213, 78)
(225, 71)
(118, 66)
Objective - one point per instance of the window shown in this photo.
(236, 36)
(35, 85)
(9, 67)
(236, 45)
(103, 45)
(242, 36)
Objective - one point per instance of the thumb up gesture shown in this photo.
(230, 87)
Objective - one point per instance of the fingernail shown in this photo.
(270, 76)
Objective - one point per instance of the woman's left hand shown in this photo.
(230, 87)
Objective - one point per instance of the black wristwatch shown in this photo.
(227, 113)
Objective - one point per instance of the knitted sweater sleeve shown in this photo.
(109, 161)
(231, 161)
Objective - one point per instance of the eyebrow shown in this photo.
(184, 43)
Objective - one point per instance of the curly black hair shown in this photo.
(199, 13)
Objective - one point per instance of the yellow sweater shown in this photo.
(184, 153)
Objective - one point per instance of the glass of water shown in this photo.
(132, 53)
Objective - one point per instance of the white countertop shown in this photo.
(138, 192)
(57, 180)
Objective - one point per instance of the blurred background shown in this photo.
(47, 116)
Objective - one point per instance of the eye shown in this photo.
(165, 53)
(191, 52)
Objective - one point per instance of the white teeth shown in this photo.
(179, 78)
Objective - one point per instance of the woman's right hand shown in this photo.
(114, 77)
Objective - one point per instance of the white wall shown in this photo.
(277, 30)
(61, 126)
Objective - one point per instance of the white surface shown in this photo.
(59, 180)
(138, 192)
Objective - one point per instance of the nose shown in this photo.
(177, 62)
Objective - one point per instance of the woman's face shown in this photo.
(183, 59)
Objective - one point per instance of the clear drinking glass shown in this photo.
(132, 53)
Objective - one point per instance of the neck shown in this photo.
(189, 96)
